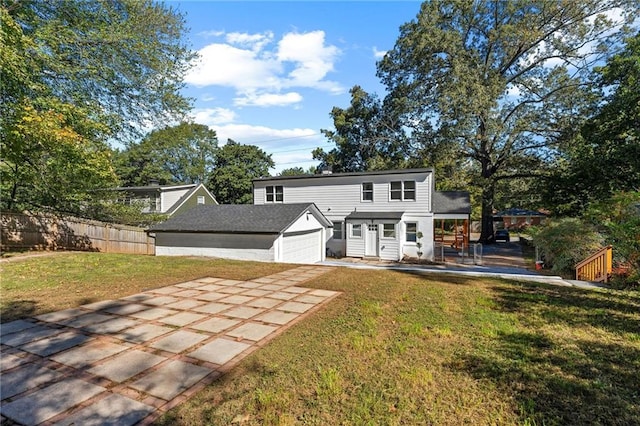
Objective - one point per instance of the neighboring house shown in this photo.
(515, 218)
(374, 214)
(167, 199)
(291, 233)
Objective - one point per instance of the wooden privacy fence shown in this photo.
(22, 231)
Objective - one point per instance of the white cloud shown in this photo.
(226, 65)
(313, 60)
(378, 54)
(268, 99)
(250, 64)
(266, 137)
(213, 116)
(255, 42)
(212, 33)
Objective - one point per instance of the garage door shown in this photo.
(302, 248)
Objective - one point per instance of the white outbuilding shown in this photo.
(289, 233)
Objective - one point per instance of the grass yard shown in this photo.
(37, 285)
(396, 348)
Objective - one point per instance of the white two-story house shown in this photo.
(380, 214)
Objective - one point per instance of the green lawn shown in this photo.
(65, 280)
(398, 348)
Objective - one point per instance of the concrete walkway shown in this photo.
(127, 361)
(495, 271)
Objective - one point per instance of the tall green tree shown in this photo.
(75, 74)
(298, 171)
(236, 166)
(604, 156)
(502, 79)
(366, 134)
(179, 154)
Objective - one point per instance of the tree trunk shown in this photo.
(488, 192)
(486, 235)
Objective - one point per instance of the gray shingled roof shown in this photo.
(451, 202)
(238, 218)
(335, 175)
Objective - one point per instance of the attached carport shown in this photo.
(451, 215)
(289, 233)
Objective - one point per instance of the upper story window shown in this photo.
(403, 190)
(275, 194)
(367, 191)
(200, 199)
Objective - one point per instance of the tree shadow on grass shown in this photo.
(591, 384)
(17, 309)
(613, 311)
(559, 369)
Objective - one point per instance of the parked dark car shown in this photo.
(502, 235)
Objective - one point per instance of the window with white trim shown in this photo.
(388, 230)
(367, 191)
(356, 230)
(411, 233)
(337, 231)
(275, 194)
(402, 190)
(200, 199)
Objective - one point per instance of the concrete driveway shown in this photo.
(127, 361)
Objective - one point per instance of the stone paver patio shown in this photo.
(127, 361)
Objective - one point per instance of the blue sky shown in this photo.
(270, 72)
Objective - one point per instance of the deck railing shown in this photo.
(597, 267)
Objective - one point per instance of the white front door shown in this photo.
(371, 241)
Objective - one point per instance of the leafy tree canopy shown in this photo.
(366, 135)
(179, 154)
(236, 166)
(501, 80)
(74, 74)
(298, 171)
(604, 156)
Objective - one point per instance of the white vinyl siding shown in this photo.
(170, 197)
(337, 197)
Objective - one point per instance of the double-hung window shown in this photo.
(403, 190)
(337, 231)
(411, 234)
(275, 194)
(388, 230)
(367, 191)
(356, 230)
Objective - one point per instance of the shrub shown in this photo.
(565, 242)
(618, 218)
